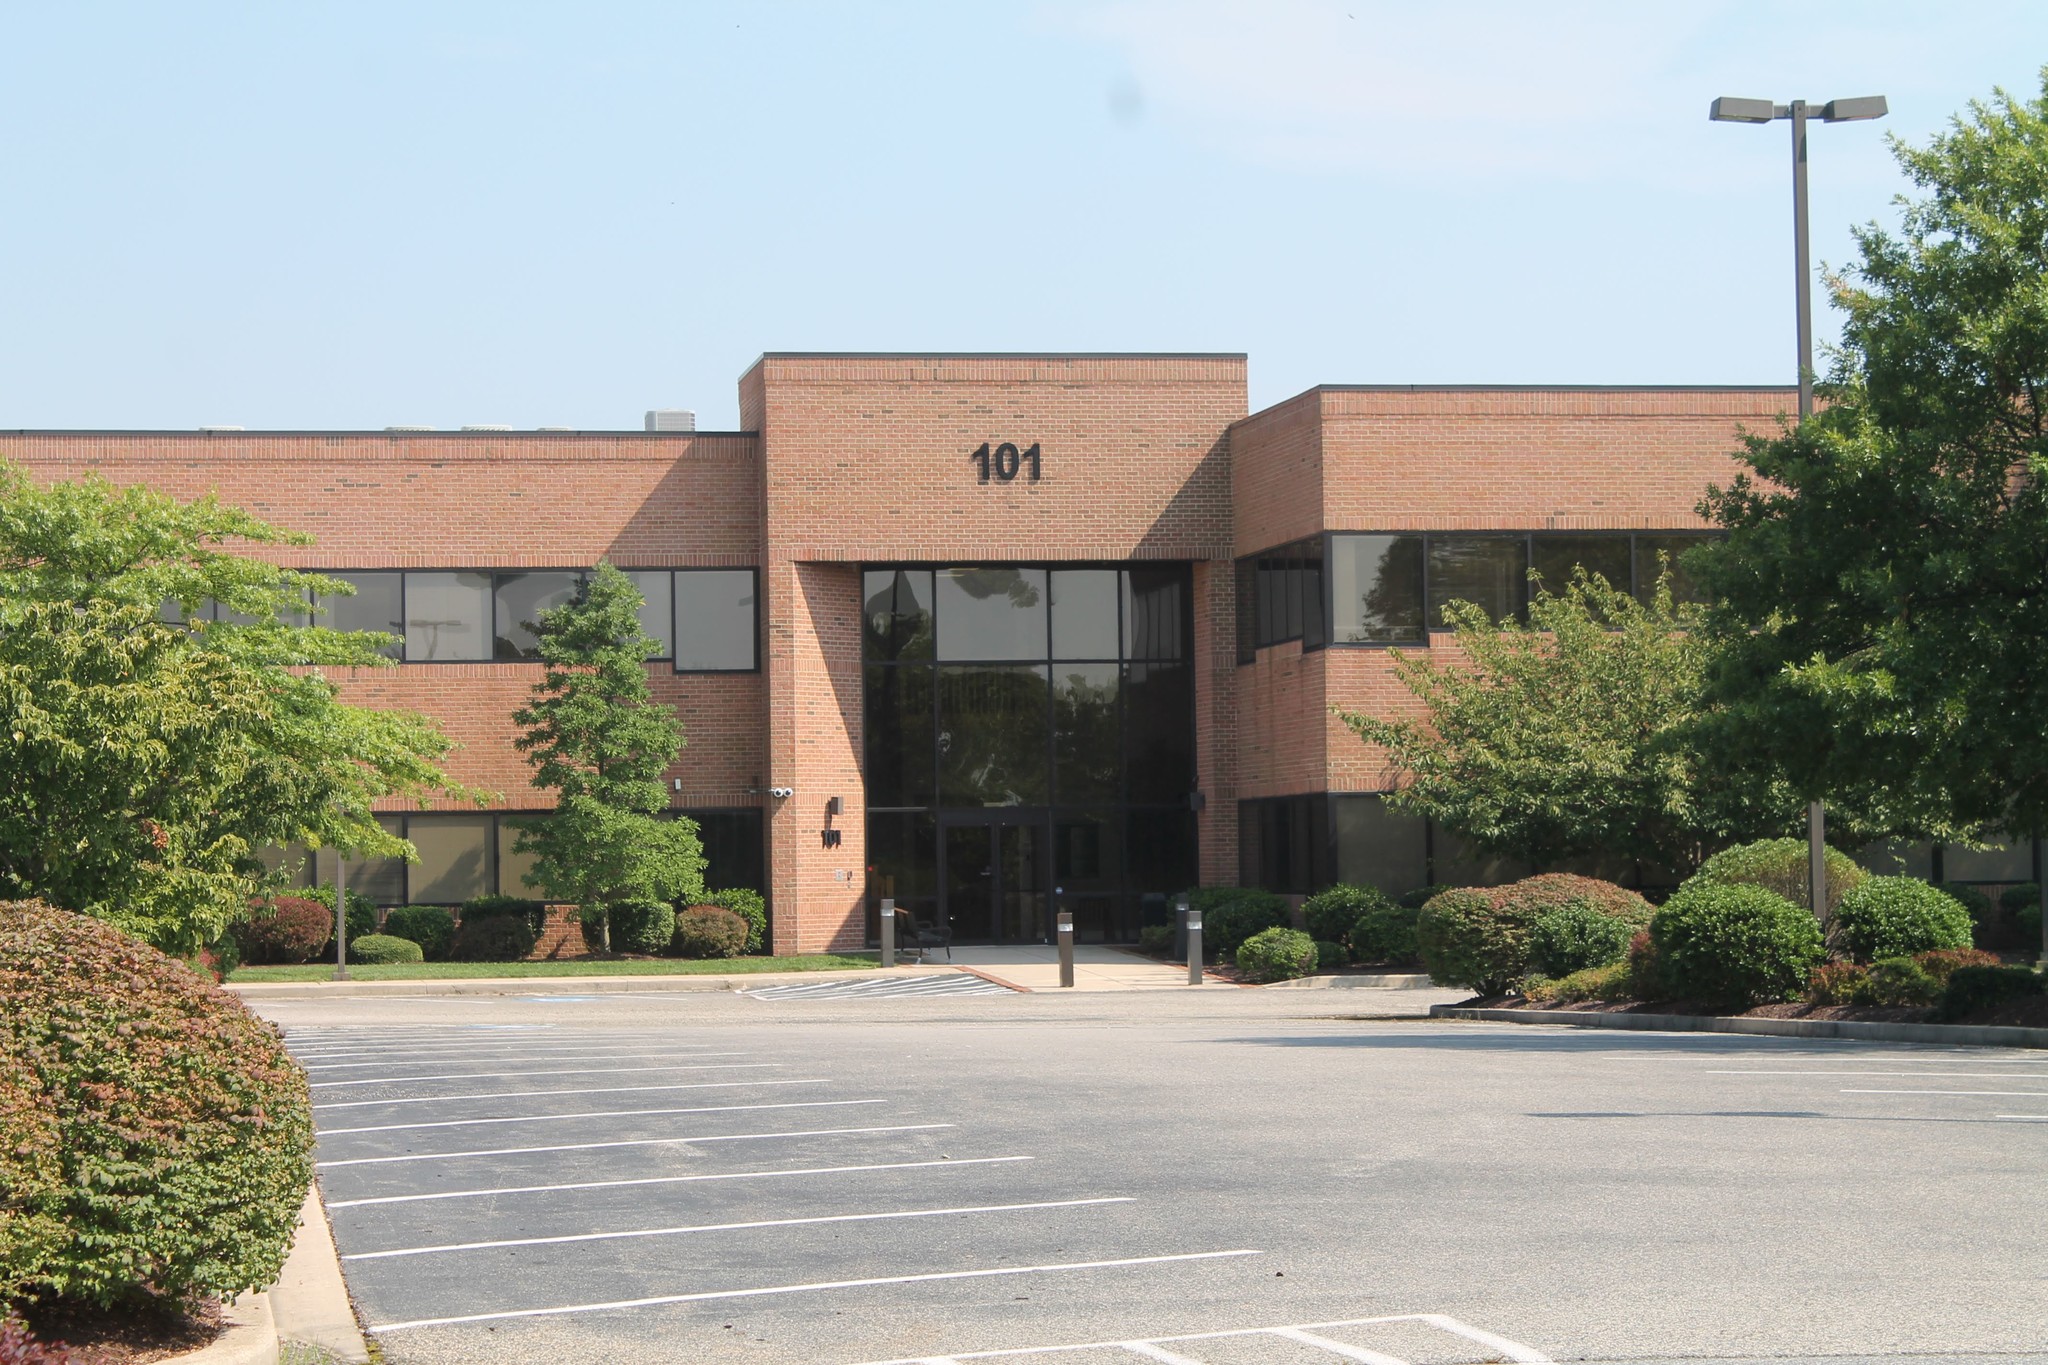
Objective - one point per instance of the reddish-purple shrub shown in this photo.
(285, 929)
(1840, 983)
(18, 1346)
(1940, 963)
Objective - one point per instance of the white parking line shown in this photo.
(2002, 1093)
(600, 1114)
(580, 1090)
(1153, 1348)
(576, 1071)
(630, 1142)
(1934, 1075)
(733, 1227)
(513, 1053)
(819, 1287)
(2020, 1116)
(670, 1180)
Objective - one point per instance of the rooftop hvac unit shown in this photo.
(672, 419)
(408, 428)
(223, 428)
(487, 426)
(554, 428)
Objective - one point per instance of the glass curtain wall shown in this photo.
(1029, 746)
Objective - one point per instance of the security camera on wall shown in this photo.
(782, 793)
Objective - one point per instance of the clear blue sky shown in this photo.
(354, 215)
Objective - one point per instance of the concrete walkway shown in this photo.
(1036, 967)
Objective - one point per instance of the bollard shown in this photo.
(1194, 947)
(888, 931)
(1066, 933)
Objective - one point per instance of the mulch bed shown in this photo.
(131, 1335)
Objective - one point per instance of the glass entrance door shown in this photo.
(992, 877)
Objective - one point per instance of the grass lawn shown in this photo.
(447, 971)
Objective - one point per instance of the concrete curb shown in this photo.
(1391, 981)
(310, 1301)
(250, 1338)
(1953, 1035)
(561, 985)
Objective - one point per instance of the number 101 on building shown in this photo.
(1004, 461)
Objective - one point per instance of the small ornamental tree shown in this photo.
(597, 738)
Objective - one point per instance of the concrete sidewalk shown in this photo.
(1036, 967)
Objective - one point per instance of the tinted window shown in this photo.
(1376, 588)
(896, 613)
(1489, 571)
(992, 734)
(715, 629)
(455, 857)
(513, 868)
(1554, 557)
(375, 606)
(732, 849)
(521, 598)
(1155, 612)
(898, 706)
(1084, 614)
(991, 613)
(1648, 566)
(1086, 755)
(1247, 610)
(1160, 852)
(1378, 847)
(657, 613)
(2010, 861)
(1159, 741)
(447, 616)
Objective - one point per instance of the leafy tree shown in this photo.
(143, 762)
(1882, 634)
(596, 737)
(1565, 737)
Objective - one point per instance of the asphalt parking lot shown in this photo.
(1220, 1177)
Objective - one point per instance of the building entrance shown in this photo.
(993, 879)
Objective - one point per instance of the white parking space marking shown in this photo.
(1155, 1348)
(600, 1114)
(520, 1075)
(568, 1054)
(882, 988)
(585, 1090)
(2008, 1094)
(2020, 1116)
(1934, 1075)
(630, 1142)
(815, 1288)
(735, 1227)
(671, 1180)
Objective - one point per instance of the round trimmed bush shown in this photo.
(1468, 940)
(1576, 936)
(641, 926)
(1276, 955)
(156, 1132)
(384, 950)
(710, 931)
(492, 938)
(1734, 944)
(1902, 981)
(362, 916)
(1897, 917)
(430, 926)
(1386, 933)
(1330, 956)
(284, 929)
(1779, 866)
(1839, 983)
(1232, 914)
(749, 906)
(1538, 895)
(1330, 913)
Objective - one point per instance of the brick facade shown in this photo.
(849, 460)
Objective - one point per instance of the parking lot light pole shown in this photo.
(1730, 109)
(340, 915)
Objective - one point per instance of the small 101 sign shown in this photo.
(1004, 461)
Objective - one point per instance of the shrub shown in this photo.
(2012, 900)
(158, 1134)
(285, 929)
(1576, 936)
(1610, 982)
(2022, 907)
(1534, 896)
(710, 931)
(19, 1346)
(1897, 917)
(495, 906)
(1156, 939)
(1232, 914)
(430, 926)
(1839, 983)
(1331, 956)
(1971, 989)
(1645, 969)
(641, 926)
(1468, 940)
(1983, 914)
(1942, 962)
(1902, 981)
(1734, 944)
(749, 906)
(1416, 899)
(384, 950)
(1276, 955)
(1386, 933)
(493, 938)
(362, 915)
(1330, 913)
(1779, 865)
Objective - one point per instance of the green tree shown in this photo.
(143, 762)
(1882, 634)
(597, 738)
(1566, 737)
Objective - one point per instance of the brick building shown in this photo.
(966, 629)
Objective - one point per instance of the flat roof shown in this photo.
(523, 433)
